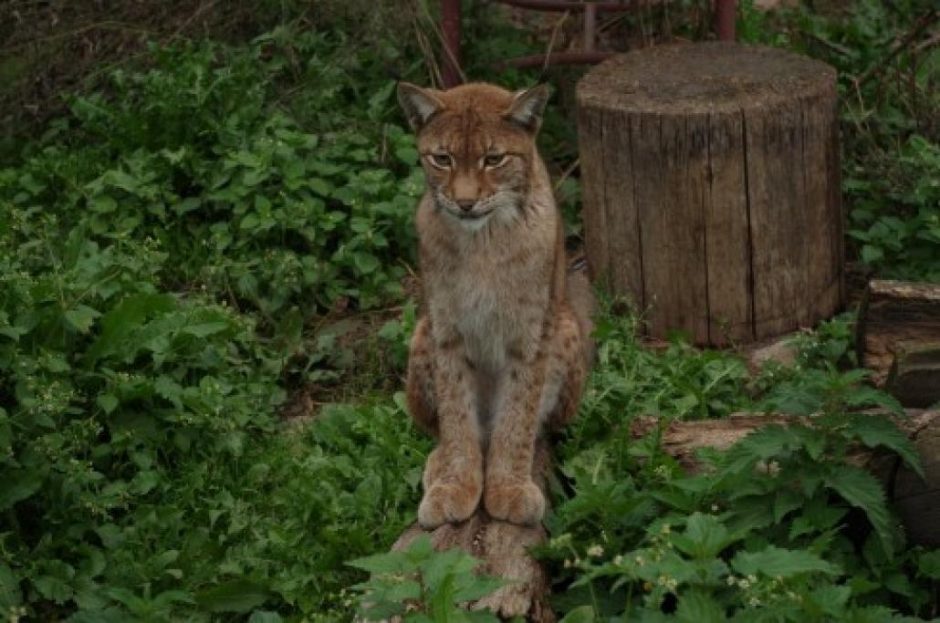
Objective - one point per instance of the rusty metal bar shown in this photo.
(590, 19)
(450, 28)
(725, 15)
(567, 5)
(557, 58)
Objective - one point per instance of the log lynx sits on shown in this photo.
(503, 345)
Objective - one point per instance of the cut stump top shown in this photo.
(706, 77)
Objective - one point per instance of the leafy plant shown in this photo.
(423, 586)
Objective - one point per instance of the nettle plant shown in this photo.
(421, 585)
(782, 527)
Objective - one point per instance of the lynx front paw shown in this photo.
(519, 502)
(443, 503)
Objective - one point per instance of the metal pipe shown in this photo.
(590, 18)
(557, 58)
(725, 15)
(567, 5)
(450, 27)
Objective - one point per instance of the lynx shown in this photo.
(502, 347)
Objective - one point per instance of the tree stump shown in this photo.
(711, 192)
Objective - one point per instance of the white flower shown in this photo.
(595, 551)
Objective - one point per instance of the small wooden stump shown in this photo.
(710, 176)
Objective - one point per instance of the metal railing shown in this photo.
(450, 27)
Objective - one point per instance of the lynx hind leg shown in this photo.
(568, 365)
(419, 386)
(583, 304)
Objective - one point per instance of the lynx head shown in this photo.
(477, 146)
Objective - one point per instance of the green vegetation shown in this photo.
(217, 230)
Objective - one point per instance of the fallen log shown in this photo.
(894, 314)
(914, 378)
(917, 501)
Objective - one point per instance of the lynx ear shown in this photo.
(527, 107)
(419, 104)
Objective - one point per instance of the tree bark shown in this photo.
(711, 191)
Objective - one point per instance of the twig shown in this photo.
(551, 41)
(567, 173)
(106, 25)
(909, 38)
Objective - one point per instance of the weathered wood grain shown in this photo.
(719, 209)
(893, 312)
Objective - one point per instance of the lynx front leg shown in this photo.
(453, 476)
(510, 493)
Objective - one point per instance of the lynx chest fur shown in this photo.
(491, 288)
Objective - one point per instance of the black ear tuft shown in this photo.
(527, 107)
(419, 104)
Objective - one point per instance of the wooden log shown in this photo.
(892, 313)
(502, 548)
(914, 378)
(917, 501)
(710, 177)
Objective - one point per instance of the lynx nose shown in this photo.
(466, 204)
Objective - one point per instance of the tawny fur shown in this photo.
(503, 344)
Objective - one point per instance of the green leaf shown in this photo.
(389, 562)
(862, 490)
(264, 616)
(872, 254)
(10, 593)
(581, 614)
(53, 588)
(704, 537)
(108, 402)
(18, 484)
(876, 431)
(205, 329)
(118, 324)
(774, 561)
(232, 596)
(698, 607)
(81, 318)
(365, 262)
(929, 564)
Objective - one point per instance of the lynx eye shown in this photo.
(494, 160)
(441, 161)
